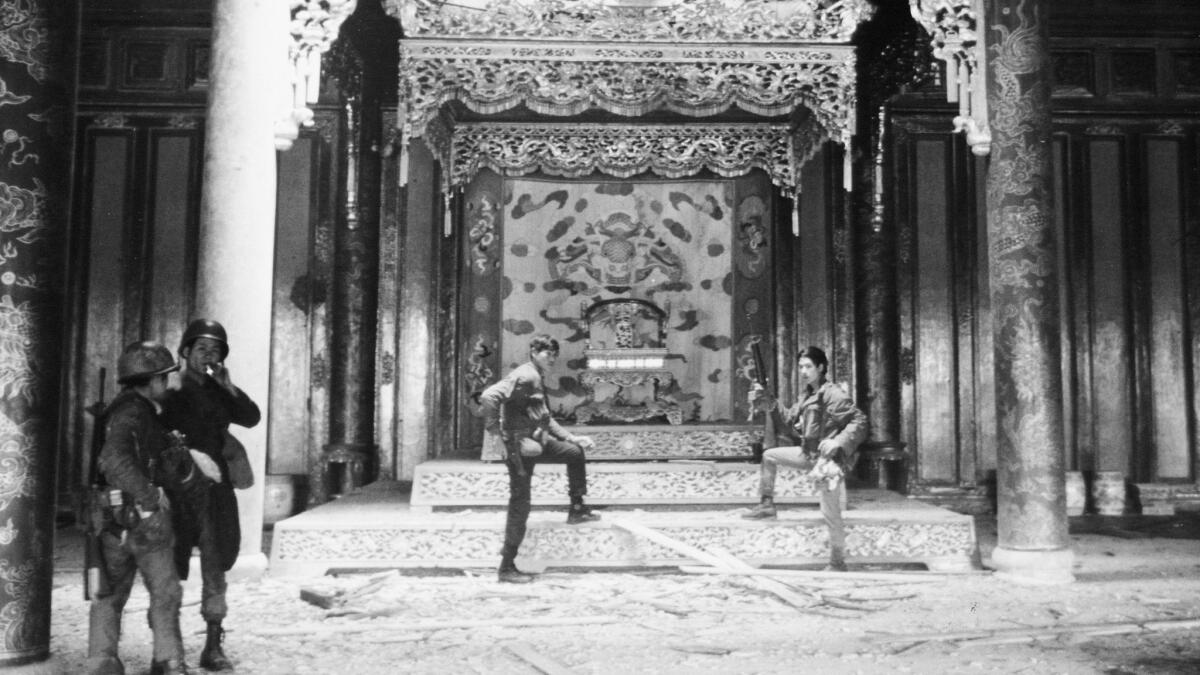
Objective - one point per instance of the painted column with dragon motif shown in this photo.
(35, 89)
(1033, 543)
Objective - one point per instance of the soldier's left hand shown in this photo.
(584, 442)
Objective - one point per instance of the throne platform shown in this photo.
(452, 516)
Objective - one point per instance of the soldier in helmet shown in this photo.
(139, 476)
(204, 406)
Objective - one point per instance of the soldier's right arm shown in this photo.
(119, 460)
(785, 422)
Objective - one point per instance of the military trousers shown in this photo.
(833, 501)
(520, 480)
(123, 559)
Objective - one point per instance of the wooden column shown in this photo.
(33, 197)
(1031, 514)
(237, 219)
(355, 288)
(878, 298)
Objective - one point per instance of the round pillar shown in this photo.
(237, 218)
(1033, 545)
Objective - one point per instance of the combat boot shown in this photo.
(509, 574)
(168, 667)
(580, 513)
(213, 656)
(765, 509)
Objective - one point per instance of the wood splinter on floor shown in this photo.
(544, 664)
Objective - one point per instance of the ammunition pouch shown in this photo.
(111, 509)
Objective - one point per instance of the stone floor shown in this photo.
(1128, 571)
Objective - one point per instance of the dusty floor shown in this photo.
(1128, 571)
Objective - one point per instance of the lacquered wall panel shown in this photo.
(287, 430)
(1169, 392)
(174, 185)
(933, 314)
(1110, 439)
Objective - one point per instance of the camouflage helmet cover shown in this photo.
(204, 328)
(144, 360)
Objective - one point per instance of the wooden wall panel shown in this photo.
(109, 156)
(1169, 392)
(1110, 437)
(419, 230)
(933, 314)
(287, 426)
(172, 221)
(1073, 274)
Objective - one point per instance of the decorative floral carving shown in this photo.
(387, 368)
(1170, 128)
(313, 27)
(954, 27)
(706, 21)
(630, 81)
(482, 223)
(16, 463)
(111, 121)
(672, 150)
(19, 363)
(25, 39)
(478, 373)
(182, 121)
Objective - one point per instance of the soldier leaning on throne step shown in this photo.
(517, 410)
(826, 428)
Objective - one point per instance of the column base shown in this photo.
(1034, 567)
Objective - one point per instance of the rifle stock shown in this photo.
(95, 572)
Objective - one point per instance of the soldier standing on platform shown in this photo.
(827, 428)
(204, 406)
(516, 410)
(142, 470)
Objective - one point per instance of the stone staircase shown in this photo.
(453, 517)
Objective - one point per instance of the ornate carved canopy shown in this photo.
(779, 59)
(671, 150)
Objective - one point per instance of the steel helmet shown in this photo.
(144, 360)
(204, 328)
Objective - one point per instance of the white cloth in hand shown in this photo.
(206, 465)
(827, 470)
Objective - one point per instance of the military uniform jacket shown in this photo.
(134, 439)
(203, 410)
(518, 406)
(824, 413)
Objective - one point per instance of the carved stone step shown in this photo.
(472, 483)
(376, 529)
